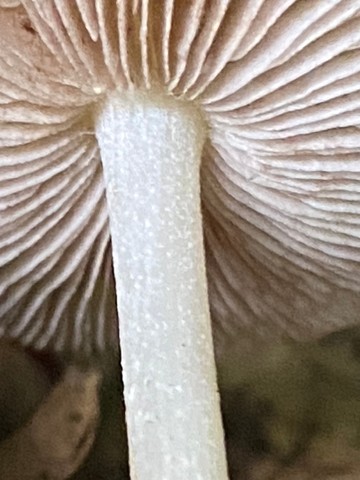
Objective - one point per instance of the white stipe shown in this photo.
(151, 149)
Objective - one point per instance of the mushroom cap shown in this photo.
(278, 82)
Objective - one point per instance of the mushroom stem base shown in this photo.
(151, 149)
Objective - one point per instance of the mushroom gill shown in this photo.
(278, 84)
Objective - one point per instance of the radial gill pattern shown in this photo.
(279, 83)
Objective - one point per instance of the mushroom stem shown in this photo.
(151, 149)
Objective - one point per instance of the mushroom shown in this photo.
(266, 94)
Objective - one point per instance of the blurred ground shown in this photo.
(290, 411)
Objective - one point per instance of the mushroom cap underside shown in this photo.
(279, 85)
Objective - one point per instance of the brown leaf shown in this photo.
(59, 436)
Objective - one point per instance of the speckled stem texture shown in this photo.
(151, 149)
